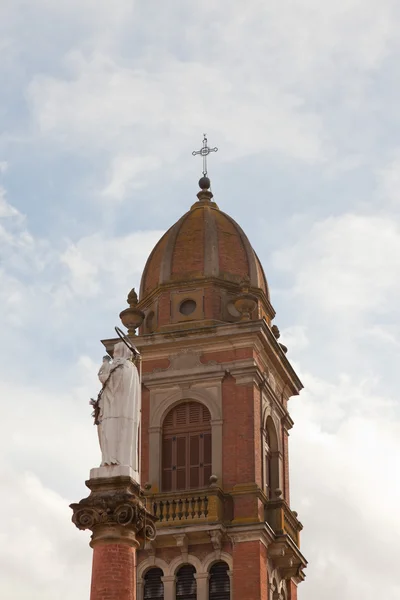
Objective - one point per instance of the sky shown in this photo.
(101, 105)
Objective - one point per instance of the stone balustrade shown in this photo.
(185, 508)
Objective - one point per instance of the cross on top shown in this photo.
(204, 152)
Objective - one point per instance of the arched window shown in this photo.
(186, 588)
(271, 459)
(219, 585)
(153, 585)
(186, 447)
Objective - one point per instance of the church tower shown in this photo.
(215, 421)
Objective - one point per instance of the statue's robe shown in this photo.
(120, 411)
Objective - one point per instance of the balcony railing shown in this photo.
(186, 508)
(283, 520)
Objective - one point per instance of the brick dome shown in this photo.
(205, 242)
(207, 251)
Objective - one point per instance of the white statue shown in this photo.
(118, 410)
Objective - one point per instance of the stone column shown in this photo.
(169, 587)
(115, 513)
(202, 585)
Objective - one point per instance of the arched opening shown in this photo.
(271, 459)
(219, 585)
(153, 585)
(186, 588)
(186, 447)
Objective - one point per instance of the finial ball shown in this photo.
(204, 183)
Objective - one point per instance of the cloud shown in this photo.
(126, 173)
(346, 263)
(98, 262)
(344, 451)
(6, 209)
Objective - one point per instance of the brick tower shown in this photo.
(214, 438)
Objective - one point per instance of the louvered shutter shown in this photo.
(186, 584)
(194, 467)
(206, 459)
(181, 461)
(186, 449)
(219, 582)
(167, 461)
(153, 585)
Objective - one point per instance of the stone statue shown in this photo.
(119, 405)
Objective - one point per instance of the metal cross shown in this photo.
(204, 152)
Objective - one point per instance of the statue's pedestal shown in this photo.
(117, 516)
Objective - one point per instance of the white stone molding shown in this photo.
(211, 558)
(182, 542)
(142, 568)
(146, 565)
(216, 540)
(191, 560)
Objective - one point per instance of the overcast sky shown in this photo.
(101, 105)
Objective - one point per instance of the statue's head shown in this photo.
(122, 351)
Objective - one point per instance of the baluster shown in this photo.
(173, 509)
(155, 507)
(186, 513)
(167, 510)
(161, 515)
(193, 506)
(205, 499)
(199, 510)
(180, 509)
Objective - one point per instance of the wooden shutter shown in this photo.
(206, 459)
(180, 461)
(186, 584)
(186, 449)
(219, 582)
(153, 585)
(194, 465)
(167, 462)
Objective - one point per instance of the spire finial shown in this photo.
(204, 152)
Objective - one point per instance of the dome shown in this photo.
(205, 247)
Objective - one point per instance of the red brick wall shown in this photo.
(114, 572)
(227, 355)
(238, 433)
(250, 577)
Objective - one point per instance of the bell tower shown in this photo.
(215, 422)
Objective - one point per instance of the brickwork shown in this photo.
(232, 254)
(188, 254)
(250, 577)
(238, 433)
(113, 572)
(152, 271)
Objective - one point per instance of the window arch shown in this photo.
(153, 585)
(271, 459)
(186, 587)
(219, 584)
(186, 447)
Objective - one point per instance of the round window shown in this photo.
(187, 307)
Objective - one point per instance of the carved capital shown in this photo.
(114, 512)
